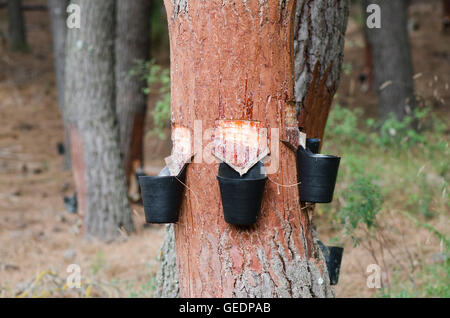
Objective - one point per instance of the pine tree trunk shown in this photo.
(320, 27)
(368, 56)
(90, 105)
(279, 256)
(58, 15)
(392, 60)
(17, 29)
(132, 45)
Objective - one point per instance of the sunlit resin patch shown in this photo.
(240, 143)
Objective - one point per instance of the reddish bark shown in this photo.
(223, 54)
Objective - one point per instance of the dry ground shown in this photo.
(37, 235)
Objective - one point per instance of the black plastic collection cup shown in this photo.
(317, 175)
(333, 258)
(139, 174)
(313, 144)
(241, 195)
(162, 196)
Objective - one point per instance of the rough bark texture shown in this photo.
(17, 30)
(132, 45)
(319, 48)
(217, 47)
(90, 106)
(167, 278)
(446, 8)
(392, 60)
(58, 15)
(319, 40)
(325, 22)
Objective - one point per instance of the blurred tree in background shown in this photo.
(392, 62)
(58, 15)
(17, 30)
(132, 45)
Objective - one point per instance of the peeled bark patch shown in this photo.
(240, 143)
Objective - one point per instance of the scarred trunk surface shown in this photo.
(222, 54)
(167, 277)
(90, 107)
(319, 41)
(16, 26)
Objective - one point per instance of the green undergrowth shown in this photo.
(399, 166)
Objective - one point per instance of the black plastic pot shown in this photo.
(162, 196)
(139, 174)
(316, 176)
(313, 144)
(333, 258)
(241, 196)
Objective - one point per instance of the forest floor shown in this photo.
(39, 239)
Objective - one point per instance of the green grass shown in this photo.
(410, 168)
(435, 280)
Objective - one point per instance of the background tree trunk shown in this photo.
(278, 257)
(319, 41)
(90, 102)
(58, 15)
(392, 60)
(320, 27)
(132, 45)
(167, 277)
(446, 16)
(17, 29)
